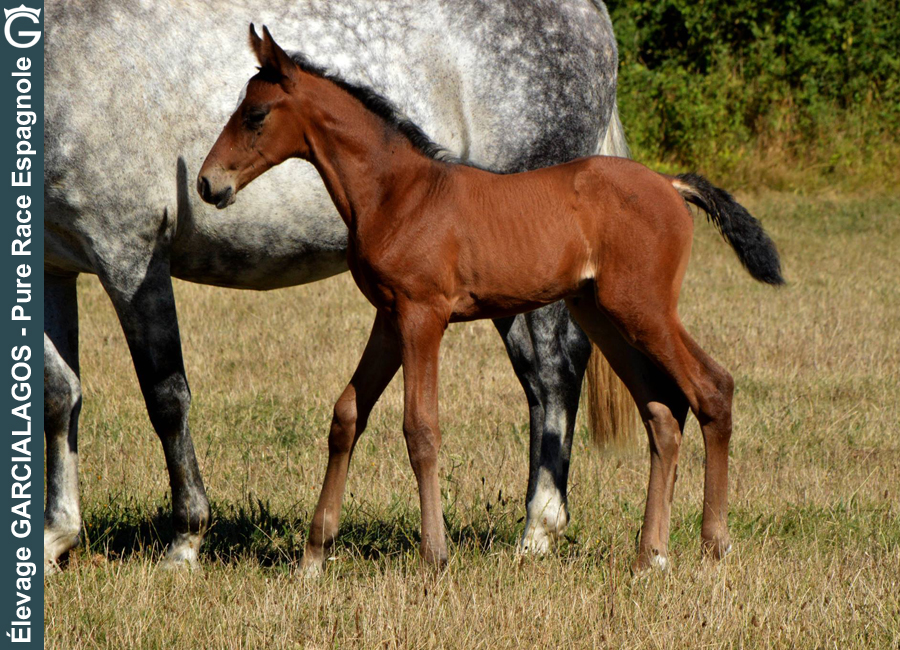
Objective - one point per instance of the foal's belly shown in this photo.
(509, 299)
(519, 269)
(480, 310)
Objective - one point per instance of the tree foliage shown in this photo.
(712, 83)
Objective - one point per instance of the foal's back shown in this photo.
(522, 240)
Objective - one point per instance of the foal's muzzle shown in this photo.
(221, 199)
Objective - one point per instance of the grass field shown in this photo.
(814, 508)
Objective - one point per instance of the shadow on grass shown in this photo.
(252, 531)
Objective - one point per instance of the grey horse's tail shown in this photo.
(612, 417)
(613, 142)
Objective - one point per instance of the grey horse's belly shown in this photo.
(283, 230)
(251, 266)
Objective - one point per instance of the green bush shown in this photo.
(774, 91)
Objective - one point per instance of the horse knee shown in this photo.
(62, 401)
(663, 429)
(343, 426)
(422, 442)
(168, 404)
(717, 404)
(62, 391)
(725, 384)
(725, 395)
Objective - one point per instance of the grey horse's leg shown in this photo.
(549, 354)
(62, 406)
(148, 318)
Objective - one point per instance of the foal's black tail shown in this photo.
(739, 228)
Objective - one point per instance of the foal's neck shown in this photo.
(362, 159)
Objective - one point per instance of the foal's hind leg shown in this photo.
(714, 401)
(663, 409)
(376, 368)
(708, 389)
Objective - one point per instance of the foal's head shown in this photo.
(267, 128)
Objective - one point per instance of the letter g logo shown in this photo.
(21, 12)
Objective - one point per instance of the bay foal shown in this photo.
(432, 242)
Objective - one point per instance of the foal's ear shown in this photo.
(269, 53)
(255, 41)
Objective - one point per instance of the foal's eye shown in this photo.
(254, 117)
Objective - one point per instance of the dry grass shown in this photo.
(815, 514)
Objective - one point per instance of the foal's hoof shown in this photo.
(311, 568)
(660, 563)
(717, 548)
(435, 559)
(651, 562)
(312, 572)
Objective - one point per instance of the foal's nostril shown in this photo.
(220, 198)
(203, 188)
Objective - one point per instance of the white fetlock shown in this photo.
(653, 563)
(536, 541)
(660, 563)
(56, 543)
(547, 518)
(183, 554)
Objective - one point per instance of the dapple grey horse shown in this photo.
(135, 95)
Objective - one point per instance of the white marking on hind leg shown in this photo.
(657, 564)
(311, 570)
(547, 518)
(62, 514)
(183, 553)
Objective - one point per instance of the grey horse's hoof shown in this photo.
(176, 565)
(183, 554)
(57, 542)
(52, 567)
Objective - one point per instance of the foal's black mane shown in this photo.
(383, 108)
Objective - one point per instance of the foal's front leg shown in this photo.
(376, 368)
(421, 331)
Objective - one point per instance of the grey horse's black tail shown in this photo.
(741, 230)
